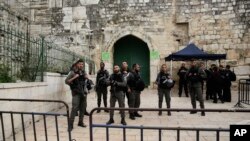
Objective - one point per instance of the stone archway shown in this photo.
(109, 47)
(133, 50)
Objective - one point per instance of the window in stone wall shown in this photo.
(181, 33)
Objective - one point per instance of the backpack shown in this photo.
(139, 85)
(232, 76)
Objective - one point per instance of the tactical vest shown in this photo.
(118, 78)
(79, 82)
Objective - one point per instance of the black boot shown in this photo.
(193, 112)
(111, 120)
(169, 113)
(160, 113)
(203, 113)
(123, 122)
(81, 124)
(105, 105)
(131, 116)
(70, 127)
(106, 111)
(136, 114)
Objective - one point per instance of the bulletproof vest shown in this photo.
(80, 81)
(101, 73)
(118, 78)
(192, 77)
(132, 82)
(182, 72)
(162, 80)
(101, 77)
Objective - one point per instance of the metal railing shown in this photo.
(243, 92)
(44, 115)
(28, 58)
(157, 128)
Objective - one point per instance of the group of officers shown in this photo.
(123, 82)
(218, 82)
(128, 83)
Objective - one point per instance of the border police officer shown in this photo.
(117, 84)
(195, 76)
(101, 86)
(76, 81)
(165, 83)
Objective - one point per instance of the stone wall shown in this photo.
(90, 27)
(52, 89)
(14, 14)
(220, 26)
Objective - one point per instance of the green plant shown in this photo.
(4, 74)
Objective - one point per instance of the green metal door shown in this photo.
(133, 50)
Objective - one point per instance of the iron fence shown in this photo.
(243, 92)
(26, 58)
(12, 116)
(160, 130)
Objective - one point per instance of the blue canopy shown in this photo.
(193, 52)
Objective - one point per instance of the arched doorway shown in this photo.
(133, 50)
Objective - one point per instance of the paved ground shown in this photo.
(149, 99)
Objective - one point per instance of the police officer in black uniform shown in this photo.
(76, 81)
(229, 76)
(165, 83)
(117, 84)
(126, 76)
(101, 86)
(195, 76)
(135, 91)
(182, 81)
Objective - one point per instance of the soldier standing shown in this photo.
(76, 81)
(229, 76)
(117, 84)
(195, 76)
(134, 91)
(165, 83)
(182, 81)
(101, 86)
(126, 76)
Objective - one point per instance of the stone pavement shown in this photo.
(149, 99)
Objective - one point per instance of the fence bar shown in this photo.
(197, 135)
(2, 123)
(243, 93)
(178, 134)
(45, 127)
(13, 126)
(34, 126)
(141, 134)
(218, 135)
(24, 135)
(57, 132)
(159, 134)
(107, 133)
(177, 129)
(124, 134)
